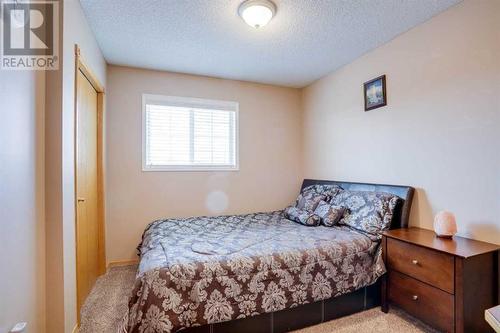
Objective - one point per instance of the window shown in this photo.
(189, 134)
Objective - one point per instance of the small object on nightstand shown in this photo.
(446, 282)
(445, 224)
(18, 328)
(492, 316)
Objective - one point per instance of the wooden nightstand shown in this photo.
(448, 283)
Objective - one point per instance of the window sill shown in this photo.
(189, 168)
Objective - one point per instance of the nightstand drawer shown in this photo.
(430, 304)
(432, 267)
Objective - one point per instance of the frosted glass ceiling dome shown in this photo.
(257, 13)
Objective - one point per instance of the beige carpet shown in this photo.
(106, 304)
(373, 321)
(108, 301)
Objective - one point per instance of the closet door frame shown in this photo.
(81, 66)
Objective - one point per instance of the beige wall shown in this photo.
(22, 237)
(441, 129)
(270, 155)
(61, 265)
(53, 202)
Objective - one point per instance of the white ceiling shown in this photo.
(306, 40)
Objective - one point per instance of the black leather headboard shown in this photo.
(402, 213)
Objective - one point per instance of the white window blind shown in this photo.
(189, 134)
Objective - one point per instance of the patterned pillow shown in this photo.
(330, 215)
(329, 190)
(311, 195)
(367, 211)
(302, 216)
(309, 200)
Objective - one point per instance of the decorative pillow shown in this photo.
(302, 216)
(370, 212)
(329, 215)
(311, 195)
(329, 190)
(309, 200)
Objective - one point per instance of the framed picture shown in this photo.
(375, 93)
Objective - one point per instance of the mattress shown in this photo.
(201, 270)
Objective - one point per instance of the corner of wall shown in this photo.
(59, 166)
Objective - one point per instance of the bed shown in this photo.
(257, 272)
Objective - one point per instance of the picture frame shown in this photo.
(375, 93)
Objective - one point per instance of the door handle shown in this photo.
(80, 199)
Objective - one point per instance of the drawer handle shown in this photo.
(415, 297)
(414, 262)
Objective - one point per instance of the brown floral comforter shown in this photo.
(201, 270)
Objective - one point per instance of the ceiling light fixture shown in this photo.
(257, 13)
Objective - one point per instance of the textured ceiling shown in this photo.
(306, 40)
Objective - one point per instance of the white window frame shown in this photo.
(194, 103)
